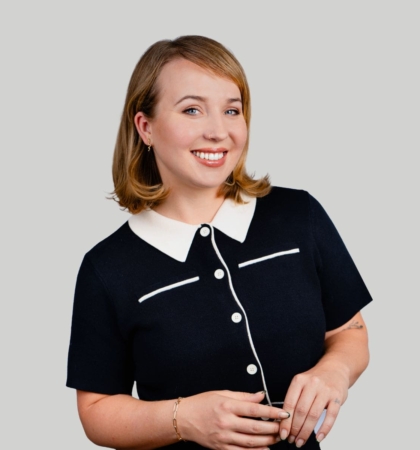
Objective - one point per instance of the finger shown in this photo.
(256, 397)
(332, 412)
(235, 447)
(289, 405)
(251, 426)
(300, 413)
(311, 420)
(248, 409)
(254, 440)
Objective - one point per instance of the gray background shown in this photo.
(335, 89)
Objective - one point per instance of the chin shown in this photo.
(211, 185)
(207, 180)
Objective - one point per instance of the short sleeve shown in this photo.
(99, 358)
(344, 293)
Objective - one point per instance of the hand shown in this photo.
(222, 420)
(308, 395)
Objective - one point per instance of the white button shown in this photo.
(219, 274)
(236, 317)
(252, 369)
(204, 231)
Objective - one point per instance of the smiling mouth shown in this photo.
(210, 156)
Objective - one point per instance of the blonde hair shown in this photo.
(137, 182)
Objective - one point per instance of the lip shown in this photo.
(207, 162)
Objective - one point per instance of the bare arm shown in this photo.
(123, 422)
(347, 347)
(326, 384)
(217, 419)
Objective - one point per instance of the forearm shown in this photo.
(216, 419)
(347, 352)
(123, 422)
(326, 384)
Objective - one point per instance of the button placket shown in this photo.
(251, 369)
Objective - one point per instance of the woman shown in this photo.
(220, 295)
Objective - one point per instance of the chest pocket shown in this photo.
(271, 255)
(157, 289)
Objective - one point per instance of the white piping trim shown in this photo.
(167, 288)
(263, 258)
(213, 241)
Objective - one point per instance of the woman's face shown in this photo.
(199, 131)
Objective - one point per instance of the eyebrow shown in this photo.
(203, 99)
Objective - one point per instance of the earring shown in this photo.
(149, 146)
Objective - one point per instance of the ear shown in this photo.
(143, 126)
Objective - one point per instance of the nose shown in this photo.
(215, 129)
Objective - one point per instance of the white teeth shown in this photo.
(209, 156)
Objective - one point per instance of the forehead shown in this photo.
(181, 77)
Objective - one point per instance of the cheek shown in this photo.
(241, 136)
(174, 134)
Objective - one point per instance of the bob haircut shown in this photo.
(137, 182)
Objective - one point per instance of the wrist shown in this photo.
(175, 418)
(334, 365)
(185, 416)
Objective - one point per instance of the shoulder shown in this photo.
(118, 250)
(283, 200)
(285, 211)
(111, 244)
(285, 196)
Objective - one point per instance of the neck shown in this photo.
(194, 207)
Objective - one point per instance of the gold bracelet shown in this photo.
(178, 435)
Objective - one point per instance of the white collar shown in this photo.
(174, 238)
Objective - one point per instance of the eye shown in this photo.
(191, 111)
(232, 112)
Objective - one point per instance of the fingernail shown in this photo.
(284, 415)
(262, 392)
(320, 437)
(283, 434)
(291, 439)
(299, 443)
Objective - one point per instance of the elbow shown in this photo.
(97, 436)
(91, 430)
(90, 409)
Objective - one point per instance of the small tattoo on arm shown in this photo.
(355, 325)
